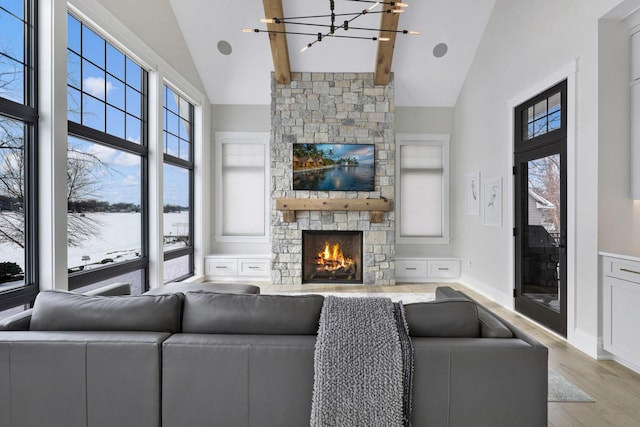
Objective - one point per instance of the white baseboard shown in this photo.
(586, 343)
(490, 292)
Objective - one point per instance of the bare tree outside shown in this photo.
(83, 173)
(544, 180)
(83, 183)
(11, 182)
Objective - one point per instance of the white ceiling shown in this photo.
(243, 77)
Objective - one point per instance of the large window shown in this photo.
(107, 161)
(18, 119)
(177, 137)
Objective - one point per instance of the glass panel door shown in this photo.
(540, 149)
(541, 242)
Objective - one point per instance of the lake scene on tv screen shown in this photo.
(333, 167)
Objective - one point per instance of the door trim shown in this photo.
(568, 72)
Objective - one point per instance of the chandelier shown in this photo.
(333, 29)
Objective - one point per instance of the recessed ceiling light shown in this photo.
(224, 47)
(440, 50)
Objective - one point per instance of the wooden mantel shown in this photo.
(375, 206)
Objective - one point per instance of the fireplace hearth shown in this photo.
(332, 256)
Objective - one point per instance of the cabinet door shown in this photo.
(411, 269)
(221, 267)
(254, 267)
(621, 300)
(635, 56)
(445, 269)
(635, 140)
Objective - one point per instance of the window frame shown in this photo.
(27, 113)
(440, 140)
(257, 138)
(169, 159)
(84, 278)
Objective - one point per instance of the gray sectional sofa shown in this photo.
(210, 359)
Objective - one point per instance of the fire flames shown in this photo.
(332, 258)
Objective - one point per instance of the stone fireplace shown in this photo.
(332, 256)
(341, 108)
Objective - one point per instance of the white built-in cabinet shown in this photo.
(248, 268)
(424, 270)
(620, 302)
(635, 115)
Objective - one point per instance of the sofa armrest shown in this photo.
(17, 322)
(489, 321)
(490, 326)
(114, 289)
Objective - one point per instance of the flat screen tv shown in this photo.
(334, 167)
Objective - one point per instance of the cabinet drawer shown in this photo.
(254, 267)
(444, 269)
(623, 270)
(411, 268)
(221, 267)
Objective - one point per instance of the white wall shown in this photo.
(154, 22)
(240, 118)
(524, 44)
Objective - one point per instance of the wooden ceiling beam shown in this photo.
(279, 47)
(388, 21)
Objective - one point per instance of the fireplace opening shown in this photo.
(334, 256)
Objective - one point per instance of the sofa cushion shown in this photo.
(210, 313)
(66, 311)
(447, 318)
(221, 288)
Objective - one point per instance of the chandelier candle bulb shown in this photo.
(373, 6)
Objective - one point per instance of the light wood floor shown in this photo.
(616, 389)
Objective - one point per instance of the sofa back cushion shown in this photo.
(211, 313)
(66, 311)
(453, 318)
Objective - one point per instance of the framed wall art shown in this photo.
(492, 203)
(472, 194)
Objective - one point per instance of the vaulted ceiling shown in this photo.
(243, 75)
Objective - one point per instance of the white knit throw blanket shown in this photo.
(359, 378)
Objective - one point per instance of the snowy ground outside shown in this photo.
(119, 239)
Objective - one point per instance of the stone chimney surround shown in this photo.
(341, 108)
